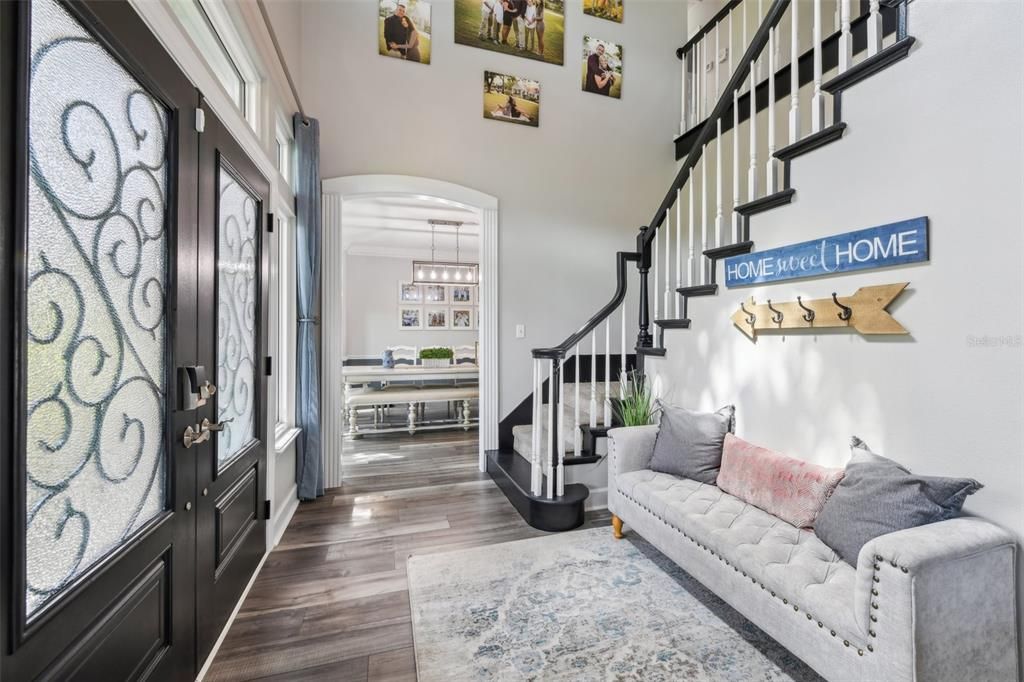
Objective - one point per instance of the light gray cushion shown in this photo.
(878, 496)
(689, 444)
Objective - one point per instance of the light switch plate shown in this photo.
(520, 331)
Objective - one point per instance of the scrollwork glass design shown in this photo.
(236, 316)
(95, 335)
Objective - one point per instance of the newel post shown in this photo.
(643, 247)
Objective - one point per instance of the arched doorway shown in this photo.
(336, 191)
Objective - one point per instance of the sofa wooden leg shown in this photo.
(616, 527)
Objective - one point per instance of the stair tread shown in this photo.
(780, 198)
(870, 66)
(729, 250)
(812, 142)
(698, 290)
(518, 470)
(673, 323)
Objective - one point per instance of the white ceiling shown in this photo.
(397, 226)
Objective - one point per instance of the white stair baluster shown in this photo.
(682, 94)
(794, 74)
(593, 379)
(654, 284)
(719, 216)
(666, 227)
(874, 28)
(835, 17)
(703, 214)
(538, 400)
(551, 427)
(728, 55)
(818, 99)
(608, 371)
(735, 164)
(845, 37)
(622, 348)
(752, 173)
(694, 74)
(691, 264)
(560, 490)
(718, 50)
(760, 57)
(577, 436)
(770, 164)
(743, 8)
(679, 248)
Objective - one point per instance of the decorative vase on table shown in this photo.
(387, 359)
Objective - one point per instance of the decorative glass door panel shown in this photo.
(236, 315)
(95, 334)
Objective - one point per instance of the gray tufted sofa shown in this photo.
(935, 602)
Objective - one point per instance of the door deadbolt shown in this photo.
(188, 506)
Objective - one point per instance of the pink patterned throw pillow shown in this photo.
(792, 489)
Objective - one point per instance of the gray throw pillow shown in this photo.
(689, 444)
(878, 496)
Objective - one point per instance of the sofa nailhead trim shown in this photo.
(874, 618)
(871, 632)
(874, 593)
(808, 616)
(870, 648)
(795, 607)
(860, 652)
(846, 642)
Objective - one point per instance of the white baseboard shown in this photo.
(279, 524)
(231, 619)
(598, 499)
(284, 517)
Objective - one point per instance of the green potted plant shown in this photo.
(637, 406)
(436, 357)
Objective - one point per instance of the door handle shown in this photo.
(207, 390)
(208, 426)
(194, 436)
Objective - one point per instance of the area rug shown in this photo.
(580, 606)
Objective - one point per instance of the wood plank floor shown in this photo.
(331, 602)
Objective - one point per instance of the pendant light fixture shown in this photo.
(445, 273)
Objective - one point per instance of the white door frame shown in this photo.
(335, 192)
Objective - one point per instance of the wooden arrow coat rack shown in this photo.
(864, 311)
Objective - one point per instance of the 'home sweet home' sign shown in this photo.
(876, 247)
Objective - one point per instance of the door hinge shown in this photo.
(270, 222)
(268, 366)
(266, 509)
(200, 120)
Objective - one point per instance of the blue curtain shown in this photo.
(309, 472)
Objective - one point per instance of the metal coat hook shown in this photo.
(751, 317)
(846, 313)
(808, 313)
(776, 314)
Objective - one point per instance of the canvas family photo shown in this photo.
(512, 99)
(602, 67)
(528, 28)
(604, 9)
(403, 30)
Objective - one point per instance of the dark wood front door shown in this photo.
(233, 267)
(130, 267)
(99, 276)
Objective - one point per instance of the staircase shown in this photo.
(730, 116)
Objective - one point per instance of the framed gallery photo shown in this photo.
(410, 317)
(463, 296)
(410, 293)
(435, 293)
(462, 318)
(435, 317)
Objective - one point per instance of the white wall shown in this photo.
(938, 134)
(571, 192)
(371, 309)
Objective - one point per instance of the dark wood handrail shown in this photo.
(708, 27)
(621, 281)
(757, 45)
